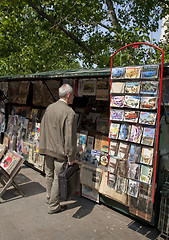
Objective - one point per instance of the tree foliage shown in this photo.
(41, 35)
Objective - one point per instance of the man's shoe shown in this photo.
(61, 209)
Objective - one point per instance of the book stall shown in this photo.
(118, 114)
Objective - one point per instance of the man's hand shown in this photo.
(71, 163)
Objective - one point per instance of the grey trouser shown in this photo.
(52, 169)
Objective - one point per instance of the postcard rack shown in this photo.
(135, 101)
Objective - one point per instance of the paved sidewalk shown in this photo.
(26, 217)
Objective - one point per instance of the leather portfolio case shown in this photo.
(69, 181)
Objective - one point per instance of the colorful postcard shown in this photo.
(124, 131)
(112, 180)
(123, 168)
(113, 148)
(123, 151)
(148, 103)
(117, 101)
(132, 87)
(133, 72)
(147, 118)
(113, 163)
(133, 187)
(146, 174)
(134, 171)
(116, 115)
(117, 87)
(131, 101)
(149, 87)
(147, 156)
(135, 134)
(131, 116)
(148, 136)
(114, 130)
(150, 71)
(135, 153)
(118, 72)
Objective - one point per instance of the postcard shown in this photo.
(112, 180)
(124, 131)
(146, 174)
(123, 151)
(148, 103)
(116, 114)
(135, 153)
(121, 185)
(117, 87)
(148, 136)
(98, 142)
(147, 118)
(123, 168)
(150, 71)
(133, 72)
(131, 116)
(113, 148)
(117, 101)
(134, 171)
(131, 101)
(113, 163)
(114, 130)
(135, 134)
(147, 156)
(118, 72)
(132, 87)
(149, 87)
(133, 187)
(104, 158)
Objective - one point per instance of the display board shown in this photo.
(135, 99)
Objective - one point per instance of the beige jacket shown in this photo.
(58, 132)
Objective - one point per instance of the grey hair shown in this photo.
(64, 90)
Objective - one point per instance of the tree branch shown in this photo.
(68, 33)
(112, 13)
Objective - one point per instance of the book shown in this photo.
(114, 130)
(104, 158)
(135, 134)
(105, 144)
(116, 115)
(123, 168)
(123, 151)
(113, 148)
(146, 174)
(131, 101)
(102, 125)
(133, 72)
(112, 180)
(134, 171)
(148, 87)
(150, 71)
(121, 185)
(117, 87)
(90, 142)
(148, 103)
(148, 136)
(113, 163)
(118, 72)
(117, 101)
(134, 153)
(147, 156)
(147, 118)
(10, 161)
(132, 87)
(133, 187)
(98, 142)
(131, 116)
(124, 132)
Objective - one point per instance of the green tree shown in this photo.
(41, 35)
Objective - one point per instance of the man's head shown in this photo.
(66, 92)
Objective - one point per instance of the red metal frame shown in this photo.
(135, 45)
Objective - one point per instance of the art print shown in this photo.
(149, 87)
(113, 148)
(146, 174)
(121, 185)
(131, 116)
(150, 72)
(133, 187)
(116, 115)
(124, 132)
(113, 163)
(123, 151)
(123, 168)
(112, 180)
(117, 101)
(135, 134)
(134, 171)
(148, 136)
(118, 73)
(132, 87)
(147, 156)
(148, 103)
(133, 72)
(114, 130)
(135, 153)
(147, 118)
(131, 101)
